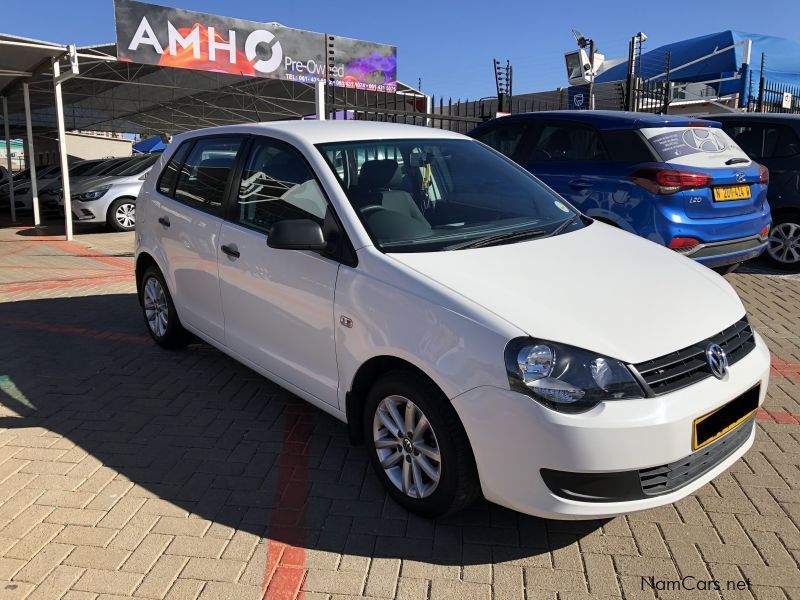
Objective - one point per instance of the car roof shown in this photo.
(612, 119)
(318, 132)
(748, 116)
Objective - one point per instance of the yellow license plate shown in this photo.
(723, 193)
(717, 423)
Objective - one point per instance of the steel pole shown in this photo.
(30, 154)
(62, 150)
(8, 162)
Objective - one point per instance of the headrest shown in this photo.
(380, 174)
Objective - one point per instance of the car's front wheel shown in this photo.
(783, 249)
(417, 445)
(122, 214)
(159, 311)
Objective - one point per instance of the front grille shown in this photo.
(671, 477)
(688, 366)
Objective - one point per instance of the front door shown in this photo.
(278, 304)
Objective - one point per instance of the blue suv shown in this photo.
(680, 182)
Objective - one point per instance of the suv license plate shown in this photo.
(724, 193)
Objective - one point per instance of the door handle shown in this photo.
(580, 184)
(230, 251)
(164, 221)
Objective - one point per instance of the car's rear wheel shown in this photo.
(417, 445)
(159, 311)
(122, 214)
(783, 248)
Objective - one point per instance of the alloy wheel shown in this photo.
(126, 215)
(156, 310)
(784, 243)
(407, 447)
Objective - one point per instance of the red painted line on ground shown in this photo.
(285, 562)
(98, 334)
(71, 283)
(12, 252)
(784, 418)
(786, 368)
(83, 251)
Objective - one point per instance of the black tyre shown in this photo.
(783, 248)
(121, 214)
(417, 445)
(727, 268)
(159, 312)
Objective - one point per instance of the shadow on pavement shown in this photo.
(206, 434)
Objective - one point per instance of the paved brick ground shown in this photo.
(131, 471)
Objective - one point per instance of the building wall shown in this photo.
(81, 146)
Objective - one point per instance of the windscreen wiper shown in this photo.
(492, 240)
(736, 161)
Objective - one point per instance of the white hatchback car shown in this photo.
(472, 328)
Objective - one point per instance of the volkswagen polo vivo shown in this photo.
(475, 330)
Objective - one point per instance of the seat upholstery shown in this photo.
(380, 184)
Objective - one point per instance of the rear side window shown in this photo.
(504, 137)
(564, 142)
(765, 141)
(203, 178)
(170, 174)
(626, 145)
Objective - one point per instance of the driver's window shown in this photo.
(277, 184)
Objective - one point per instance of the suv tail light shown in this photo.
(683, 244)
(669, 181)
(763, 174)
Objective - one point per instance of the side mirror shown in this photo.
(296, 234)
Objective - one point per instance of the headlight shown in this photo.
(92, 194)
(566, 378)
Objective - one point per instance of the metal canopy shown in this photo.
(112, 95)
(21, 57)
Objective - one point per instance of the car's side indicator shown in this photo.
(346, 321)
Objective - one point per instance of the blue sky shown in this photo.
(449, 45)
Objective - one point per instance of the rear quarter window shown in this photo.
(166, 183)
(627, 145)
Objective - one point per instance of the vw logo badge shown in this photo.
(717, 360)
(740, 177)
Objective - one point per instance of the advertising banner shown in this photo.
(169, 37)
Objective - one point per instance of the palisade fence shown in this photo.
(774, 97)
(461, 115)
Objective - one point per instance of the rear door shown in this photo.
(571, 158)
(188, 209)
(278, 304)
(734, 189)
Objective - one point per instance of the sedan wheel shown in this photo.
(126, 215)
(784, 243)
(407, 447)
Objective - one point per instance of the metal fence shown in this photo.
(775, 97)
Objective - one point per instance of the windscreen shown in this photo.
(420, 195)
(702, 147)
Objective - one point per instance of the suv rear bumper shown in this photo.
(728, 252)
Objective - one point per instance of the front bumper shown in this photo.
(513, 437)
